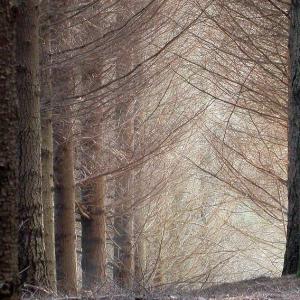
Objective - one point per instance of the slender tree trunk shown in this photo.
(65, 234)
(32, 262)
(123, 226)
(94, 236)
(123, 220)
(93, 197)
(47, 147)
(291, 260)
(63, 85)
(64, 187)
(65, 237)
(139, 253)
(158, 277)
(8, 157)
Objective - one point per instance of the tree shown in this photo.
(123, 215)
(64, 181)
(93, 194)
(139, 252)
(8, 156)
(64, 189)
(65, 238)
(139, 220)
(47, 144)
(291, 259)
(32, 262)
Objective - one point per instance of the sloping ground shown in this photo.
(263, 288)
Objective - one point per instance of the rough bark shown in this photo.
(291, 259)
(31, 232)
(47, 146)
(8, 156)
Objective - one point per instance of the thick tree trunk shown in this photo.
(31, 231)
(291, 259)
(47, 148)
(8, 157)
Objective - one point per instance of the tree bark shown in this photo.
(93, 195)
(123, 220)
(139, 220)
(8, 156)
(47, 146)
(139, 253)
(291, 259)
(65, 237)
(64, 188)
(32, 262)
(158, 277)
(94, 236)
(63, 85)
(123, 226)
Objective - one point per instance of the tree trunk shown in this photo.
(63, 85)
(139, 253)
(139, 220)
(64, 188)
(123, 220)
(123, 226)
(47, 148)
(8, 157)
(158, 277)
(31, 232)
(93, 194)
(94, 235)
(65, 237)
(291, 259)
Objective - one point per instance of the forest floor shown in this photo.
(263, 288)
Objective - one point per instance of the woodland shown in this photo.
(147, 145)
